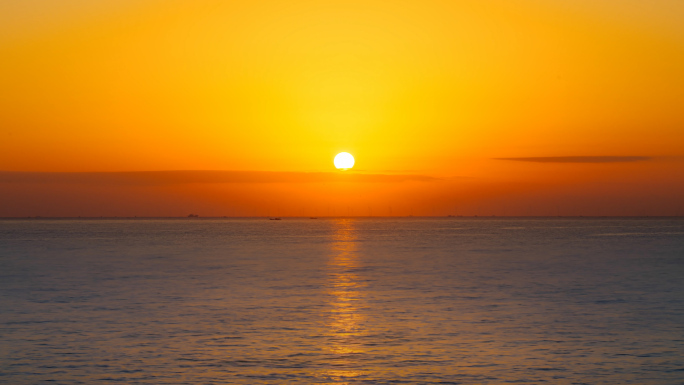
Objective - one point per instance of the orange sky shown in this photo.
(437, 100)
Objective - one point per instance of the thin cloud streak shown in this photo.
(148, 178)
(580, 159)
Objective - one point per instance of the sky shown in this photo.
(237, 108)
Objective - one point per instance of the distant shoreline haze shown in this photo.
(633, 188)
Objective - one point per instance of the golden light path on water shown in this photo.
(346, 323)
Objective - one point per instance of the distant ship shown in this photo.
(274, 219)
(193, 216)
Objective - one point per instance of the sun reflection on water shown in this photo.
(346, 318)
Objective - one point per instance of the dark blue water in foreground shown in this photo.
(342, 301)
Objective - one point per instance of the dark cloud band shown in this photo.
(189, 176)
(581, 159)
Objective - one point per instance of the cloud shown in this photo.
(201, 176)
(580, 159)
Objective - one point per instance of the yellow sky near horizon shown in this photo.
(438, 88)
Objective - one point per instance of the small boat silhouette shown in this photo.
(274, 219)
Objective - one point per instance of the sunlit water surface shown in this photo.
(342, 301)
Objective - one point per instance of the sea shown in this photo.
(342, 301)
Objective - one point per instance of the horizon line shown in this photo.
(340, 216)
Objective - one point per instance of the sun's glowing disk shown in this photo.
(344, 160)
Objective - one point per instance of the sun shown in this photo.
(344, 161)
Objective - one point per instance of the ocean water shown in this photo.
(342, 301)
